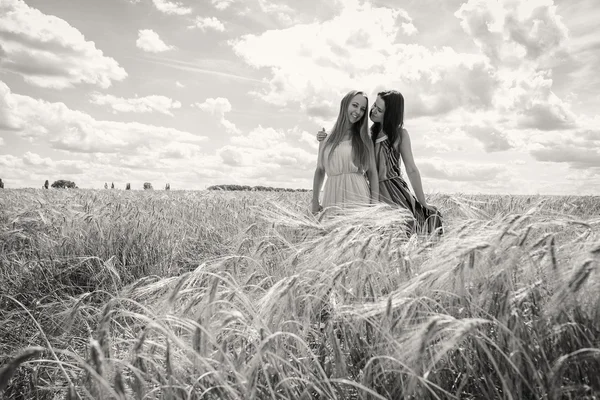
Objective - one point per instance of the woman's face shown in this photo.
(357, 108)
(377, 111)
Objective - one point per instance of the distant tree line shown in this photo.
(65, 184)
(254, 188)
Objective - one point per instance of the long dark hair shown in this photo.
(393, 117)
(362, 147)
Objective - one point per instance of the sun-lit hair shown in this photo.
(362, 148)
(393, 116)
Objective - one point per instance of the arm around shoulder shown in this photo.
(318, 179)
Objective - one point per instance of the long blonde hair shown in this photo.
(362, 147)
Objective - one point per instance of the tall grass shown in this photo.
(216, 295)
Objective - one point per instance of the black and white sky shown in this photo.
(501, 96)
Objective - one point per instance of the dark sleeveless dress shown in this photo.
(394, 190)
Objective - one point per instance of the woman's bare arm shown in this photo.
(318, 179)
(411, 168)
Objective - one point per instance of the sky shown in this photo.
(501, 96)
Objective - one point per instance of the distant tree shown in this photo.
(147, 186)
(112, 185)
(168, 186)
(128, 186)
(46, 184)
(63, 184)
(1, 184)
(105, 185)
(258, 188)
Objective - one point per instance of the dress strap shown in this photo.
(381, 139)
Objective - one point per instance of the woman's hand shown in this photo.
(316, 208)
(321, 135)
(432, 209)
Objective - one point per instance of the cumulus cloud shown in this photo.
(31, 169)
(523, 40)
(208, 23)
(230, 156)
(8, 119)
(343, 55)
(171, 7)
(438, 168)
(222, 4)
(149, 41)
(48, 52)
(266, 154)
(218, 107)
(76, 131)
(283, 12)
(146, 104)
(310, 140)
(176, 150)
(492, 139)
(536, 106)
(259, 138)
(509, 31)
(579, 150)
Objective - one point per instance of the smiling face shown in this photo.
(377, 110)
(357, 108)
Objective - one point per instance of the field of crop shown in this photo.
(246, 295)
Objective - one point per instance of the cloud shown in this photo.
(310, 140)
(171, 7)
(509, 31)
(1, 142)
(579, 150)
(78, 132)
(149, 41)
(266, 154)
(179, 84)
(93, 170)
(146, 104)
(459, 171)
(536, 106)
(283, 12)
(48, 52)
(35, 169)
(492, 139)
(259, 138)
(523, 40)
(343, 54)
(230, 156)
(177, 150)
(32, 159)
(219, 107)
(208, 23)
(222, 4)
(8, 120)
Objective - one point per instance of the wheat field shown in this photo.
(245, 295)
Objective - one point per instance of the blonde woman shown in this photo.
(347, 159)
